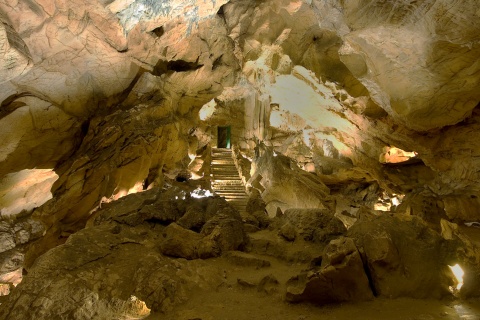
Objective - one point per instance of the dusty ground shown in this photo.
(239, 302)
(245, 297)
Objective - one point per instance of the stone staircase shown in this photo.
(226, 181)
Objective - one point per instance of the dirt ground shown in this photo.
(236, 301)
(246, 295)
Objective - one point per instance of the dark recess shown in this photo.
(158, 31)
(163, 66)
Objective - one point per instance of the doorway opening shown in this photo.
(224, 137)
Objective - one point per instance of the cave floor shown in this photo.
(241, 302)
(243, 296)
(231, 305)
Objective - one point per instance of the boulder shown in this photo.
(288, 232)
(318, 225)
(108, 275)
(404, 257)
(255, 202)
(226, 232)
(340, 278)
(180, 242)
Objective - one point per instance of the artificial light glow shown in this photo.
(382, 206)
(139, 309)
(201, 193)
(458, 273)
(386, 202)
(395, 201)
(396, 155)
(472, 224)
(206, 112)
(138, 187)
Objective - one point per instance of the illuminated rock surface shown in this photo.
(350, 107)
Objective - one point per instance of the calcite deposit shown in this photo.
(354, 132)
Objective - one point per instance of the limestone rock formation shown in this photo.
(405, 257)
(111, 268)
(340, 277)
(285, 186)
(323, 99)
(314, 224)
(16, 59)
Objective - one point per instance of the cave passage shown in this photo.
(224, 135)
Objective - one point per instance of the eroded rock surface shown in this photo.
(407, 258)
(119, 266)
(120, 96)
(340, 278)
(134, 259)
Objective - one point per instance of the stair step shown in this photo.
(226, 178)
(227, 173)
(226, 181)
(232, 194)
(235, 174)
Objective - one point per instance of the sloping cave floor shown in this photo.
(246, 285)
(244, 296)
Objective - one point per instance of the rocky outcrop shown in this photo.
(314, 224)
(340, 277)
(438, 53)
(110, 95)
(407, 258)
(284, 185)
(119, 266)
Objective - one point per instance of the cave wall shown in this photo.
(107, 94)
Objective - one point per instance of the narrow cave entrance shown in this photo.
(224, 137)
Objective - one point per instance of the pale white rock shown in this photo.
(35, 134)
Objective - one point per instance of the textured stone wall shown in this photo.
(107, 94)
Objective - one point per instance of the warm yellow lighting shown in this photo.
(396, 155)
(138, 309)
(458, 273)
(200, 193)
(206, 112)
(303, 101)
(379, 206)
(386, 202)
(25, 190)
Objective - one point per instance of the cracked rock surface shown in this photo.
(103, 98)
